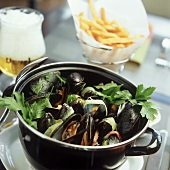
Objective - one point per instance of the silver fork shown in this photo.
(161, 60)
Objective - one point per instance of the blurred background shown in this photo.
(162, 8)
(157, 7)
(52, 9)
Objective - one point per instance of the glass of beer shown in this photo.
(21, 40)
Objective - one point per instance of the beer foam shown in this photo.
(21, 18)
(21, 35)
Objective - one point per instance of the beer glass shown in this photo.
(21, 41)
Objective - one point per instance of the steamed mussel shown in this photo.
(75, 112)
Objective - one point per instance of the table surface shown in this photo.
(62, 45)
(65, 47)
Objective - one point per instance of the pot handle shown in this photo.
(149, 149)
(7, 93)
(4, 117)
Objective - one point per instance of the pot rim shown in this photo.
(68, 145)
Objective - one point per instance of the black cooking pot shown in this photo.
(45, 153)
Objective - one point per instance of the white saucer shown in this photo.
(13, 158)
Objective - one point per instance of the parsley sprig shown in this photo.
(110, 92)
(30, 112)
(113, 93)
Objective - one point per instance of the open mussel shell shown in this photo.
(111, 140)
(104, 127)
(54, 111)
(87, 126)
(96, 108)
(88, 92)
(56, 99)
(77, 106)
(66, 111)
(72, 118)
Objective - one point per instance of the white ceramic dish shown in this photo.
(13, 158)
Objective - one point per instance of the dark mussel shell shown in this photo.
(103, 128)
(77, 106)
(46, 83)
(35, 98)
(45, 122)
(87, 127)
(76, 129)
(129, 121)
(66, 111)
(72, 118)
(96, 108)
(88, 92)
(75, 83)
(58, 98)
(54, 111)
(84, 132)
(113, 110)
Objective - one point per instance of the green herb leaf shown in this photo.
(122, 96)
(36, 109)
(113, 93)
(29, 112)
(143, 94)
(106, 86)
(70, 98)
(109, 91)
(10, 103)
(62, 79)
(14, 103)
(149, 109)
(38, 86)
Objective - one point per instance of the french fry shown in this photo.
(92, 24)
(118, 46)
(81, 14)
(110, 28)
(110, 33)
(94, 15)
(84, 26)
(110, 41)
(123, 33)
(104, 34)
(89, 33)
(99, 21)
(103, 16)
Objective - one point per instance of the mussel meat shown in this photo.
(96, 108)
